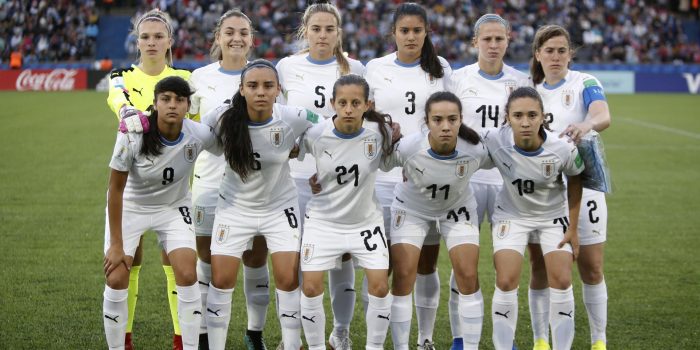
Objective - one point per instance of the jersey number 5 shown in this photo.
(319, 92)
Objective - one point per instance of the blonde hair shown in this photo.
(215, 51)
(338, 50)
(157, 16)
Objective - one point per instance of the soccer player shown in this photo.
(483, 88)
(533, 201)
(149, 189)
(307, 80)
(574, 104)
(400, 84)
(256, 197)
(215, 85)
(345, 217)
(130, 92)
(436, 198)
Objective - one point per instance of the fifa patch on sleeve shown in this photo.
(311, 116)
(590, 82)
(578, 161)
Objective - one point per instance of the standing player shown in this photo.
(345, 217)
(256, 197)
(483, 88)
(215, 84)
(575, 104)
(307, 80)
(130, 92)
(436, 197)
(400, 83)
(149, 189)
(533, 201)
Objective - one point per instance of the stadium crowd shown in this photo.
(629, 31)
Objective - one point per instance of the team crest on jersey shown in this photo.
(190, 153)
(198, 215)
(370, 148)
(399, 218)
(510, 86)
(462, 168)
(567, 98)
(503, 229)
(276, 137)
(221, 234)
(548, 168)
(307, 252)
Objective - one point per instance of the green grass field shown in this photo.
(56, 147)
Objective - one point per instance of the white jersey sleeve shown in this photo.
(436, 184)
(483, 98)
(346, 168)
(533, 186)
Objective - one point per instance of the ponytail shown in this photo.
(151, 145)
(235, 138)
(429, 61)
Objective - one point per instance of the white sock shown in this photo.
(115, 312)
(453, 308)
(204, 278)
(539, 313)
(365, 294)
(471, 311)
(313, 319)
(401, 314)
(189, 314)
(256, 282)
(505, 318)
(289, 314)
(427, 298)
(561, 317)
(218, 315)
(378, 319)
(595, 297)
(341, 284)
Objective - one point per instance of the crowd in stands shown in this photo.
(629, 31)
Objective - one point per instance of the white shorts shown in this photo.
(233, 233)
(324, 244)
(485, 195)
(592, 219)
(204, 205)
(455, 228)
(385, 195)
(172, 225)
(304, 194)
(514, 234)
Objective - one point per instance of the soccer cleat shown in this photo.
(254, 340)
(541, 344)
(177, 342)
(204, 341)
(427, 345)
(128, 343)
(457, 344)
(340, 341)
(599, 345)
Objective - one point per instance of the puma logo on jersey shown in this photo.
(389, 80)
(112, 318)
(384, 317)
(329, 154)
(293, 315)
(420, 171)
(212, 88)
(309, 319)
(300, 76)
(565, 314)
(504, 315)
(216, 313)
(139, 91)
(507, 166)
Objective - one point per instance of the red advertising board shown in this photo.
(59, 79)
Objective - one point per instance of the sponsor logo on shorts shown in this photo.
(276, 137)
(462, 168)
(370, 148)
(547, 168)
(503, 228)
(190, 153)
(307, 252)
(221, 234)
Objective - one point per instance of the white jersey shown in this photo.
(347, 168)
(159, 181)
(268, 186)
(213, 86)
(484, 98)
(533, 187)
(567, 102)
(309, 83)
(435, 183)
(401, 90)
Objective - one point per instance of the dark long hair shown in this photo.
(541, 36)
(465, 133)
(528, 92)
(152, 145)
(384, 120)
(233, 125)
(429, 60)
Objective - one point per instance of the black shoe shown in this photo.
(254, 340)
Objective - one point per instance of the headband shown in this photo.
(490, 17)
(155, 18)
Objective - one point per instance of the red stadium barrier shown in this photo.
(43, 79)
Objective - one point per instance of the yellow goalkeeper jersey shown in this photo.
(134, 87)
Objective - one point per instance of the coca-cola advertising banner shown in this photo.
(43, 79)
